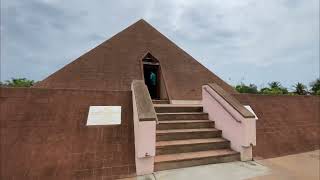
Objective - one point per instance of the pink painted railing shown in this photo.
(237, 123)
(145, 118)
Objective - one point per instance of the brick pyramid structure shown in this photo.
(112, 65)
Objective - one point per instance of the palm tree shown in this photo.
(300, 89)
(274, 85)
(315, 87)
(274, 88)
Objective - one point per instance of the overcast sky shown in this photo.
(250, 41)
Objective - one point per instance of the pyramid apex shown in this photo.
(142, 21)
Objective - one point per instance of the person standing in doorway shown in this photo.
(153, 80)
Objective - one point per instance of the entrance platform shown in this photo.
(293, 167)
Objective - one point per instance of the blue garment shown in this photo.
(153, 78)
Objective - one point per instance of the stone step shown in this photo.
(185, 124)
(172, 108)
(179, 134)
(182, 116)
(160, 101)
(180, 160)
(190, 145)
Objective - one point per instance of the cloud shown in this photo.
(239, 40)
(259, 33)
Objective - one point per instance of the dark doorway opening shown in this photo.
(151, 78)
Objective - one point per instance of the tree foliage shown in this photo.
(18, 82)
(300, 89)
(315, 87)
(242, 88)
(274, 88)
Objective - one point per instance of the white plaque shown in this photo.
(104, 115)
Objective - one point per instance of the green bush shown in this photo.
(242, 88)
(18, 82)
(274, 88)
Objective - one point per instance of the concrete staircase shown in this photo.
(186, 137)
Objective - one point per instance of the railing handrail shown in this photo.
(222, 105)
(232, 101)
(143, 102)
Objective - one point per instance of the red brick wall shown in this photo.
(43, 132)
(286, 125)
(43, 135)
